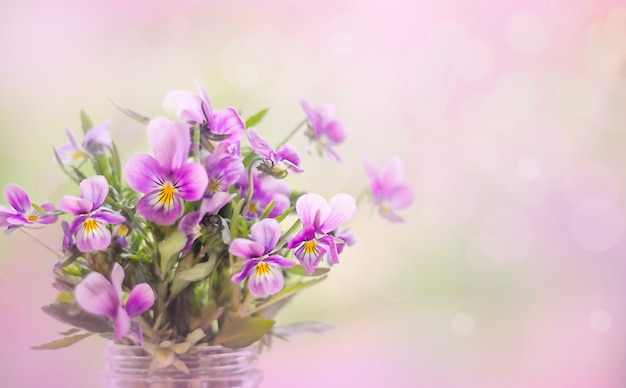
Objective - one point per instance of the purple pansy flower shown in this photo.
(278, 162)
(320, 218)
(389, 193)
(21, 212)
(262, 269)
(223, 169)
(95, 142)
(265, 190)
(191, 224)
(99, 296)
(224, 125)
(323, 131)
(167, 178)
(90, 224)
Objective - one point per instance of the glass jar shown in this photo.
(209, 367)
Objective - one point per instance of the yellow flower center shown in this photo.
(166, 194)
(214, 186)
(262, 269)
(90, 225)
(78, 155)
(32, 218)
(252, 208)
(310, 247)
(121, 231)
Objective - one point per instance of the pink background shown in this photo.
(510, 115)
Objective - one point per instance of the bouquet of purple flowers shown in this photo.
(199, 242)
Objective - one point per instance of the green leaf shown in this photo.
(132, 114)
(268, 209)
(63, 342)
(256, 118)
(169, 250)
(198, 271)
(299, 270)
(287, 292)
(301, 327)
(208, 314)
(239, 332)
(85, 121)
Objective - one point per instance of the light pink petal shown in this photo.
(228, 121)
(312, 209)
(258, 144)
(66, 153)
(267, 233)
(97, 138)
(342, 209)
(186, 104)
(401, 197)
(140, 299)
(117, 278)
(247, 249)
(335, 132)
(214, 203)
(122, 323)
(170, 142)
(95, 190)
(311, 114)
(96, 295)
(75, 205)
(393, 172)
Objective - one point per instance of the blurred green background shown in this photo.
(509, 115)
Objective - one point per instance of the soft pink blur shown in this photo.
(510, 115)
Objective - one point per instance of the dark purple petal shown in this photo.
(245, 271)
(143, 173)
(247, 249)
(170, 142)
(267, 233)
(75, 205)
(122, 323)
(150, 207)
(96, 295)
(305, 234)
(342, 209)
(190, 181)
(140, 299)
(95, 190)
(288, 154)
(190, 226)
(17, 198)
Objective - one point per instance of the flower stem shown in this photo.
(43, 244)
(293, 132)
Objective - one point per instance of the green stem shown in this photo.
(293, 132)
(43, 244)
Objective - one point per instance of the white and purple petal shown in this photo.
(17, 198)
(265, 279)
(153, 209)
(95, 190)
(342, 209)
(92, 235)
(312, 209)
(267, 233)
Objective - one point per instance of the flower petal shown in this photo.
(143, 173)
(247, 249)
(95, 190)
(186, 104)
(342, 209)
(17, 198)
(170, 142)
(109, 217)
(191, 181)
(75, 205)
(117, 278)
(258, 144)
(312, 209)
(280, 261)
(214, 203)
(96, 295)
(228, 121)
(245, 271)
(392, 173)
(122, 323)
(265, 279)
(98, 138)
(92, 235)
(153, 210)
(140, 299)
(267, 233)
(311, 114)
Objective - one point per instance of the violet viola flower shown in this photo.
(167, 178)
(265, 190)
(95, 142)
(278, 162)
(320, 218)
(324, 131)
(262, 269)
(21, 212)
(97, 295)
(224, 125)
(90, 224)
(191, 224)
(389, 193)
(223, 169)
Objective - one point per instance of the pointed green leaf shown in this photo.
(256, 118)
(198, 271)
(239, 332)
(208, 314)
(70, 313)
(287, 292)
(132, 114)
(169, 249)
(85, 121)
(301, 327)
(299, 270)
(63, 342)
